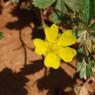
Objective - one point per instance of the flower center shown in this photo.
(52, 47)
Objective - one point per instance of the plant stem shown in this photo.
(42, 18)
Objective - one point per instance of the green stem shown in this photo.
(42, 18)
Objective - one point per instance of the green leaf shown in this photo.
(91, 64)
(87, 10)
(43, 3)
(83, 70)
(88, 70)
(89, 44)
(60, 5)
(74, 4)
(92, 26)
(80, 54)
(79, 66)
(56, 16)
(1, 35)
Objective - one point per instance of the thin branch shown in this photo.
(42, 18)
(23, 46)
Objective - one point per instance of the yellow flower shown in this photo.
(55, 47)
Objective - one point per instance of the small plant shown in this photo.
(75, 15)
(56, 46)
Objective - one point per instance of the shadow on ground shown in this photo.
(14, 83)
(55, 82)
(26, 17)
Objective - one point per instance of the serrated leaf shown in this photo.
(80, 54)
(87, 10)
(91, 64)
(43, 3)
(74, 4)
(79, 66)
(83, 70)
(89, 44)
(60, 5)
(88, 70)
(56, 16)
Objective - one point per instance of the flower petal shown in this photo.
(40, 46)
(67, 54)
(52, 60)
(67, 38)
(51, 33)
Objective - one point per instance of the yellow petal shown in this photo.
(51, 33)
(52, 60)
(40, 46)
(67, 38)
(67, 54)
